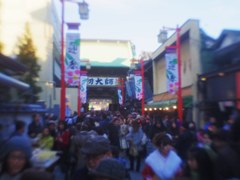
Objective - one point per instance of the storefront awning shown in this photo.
(161, 104)
(187, 102)
(11, 82)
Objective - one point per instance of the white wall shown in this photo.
(14, 16)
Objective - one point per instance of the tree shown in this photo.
(27, 56)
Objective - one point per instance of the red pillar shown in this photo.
(63, 89)
(179, 94)
(79, 97)
(238, 89)
(122, 86)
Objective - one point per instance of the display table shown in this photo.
(44, 159)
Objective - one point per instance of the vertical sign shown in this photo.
(120, 98)
(138, 85)
(120, 91)
(72, 63)
(83, 87)
(171, 70)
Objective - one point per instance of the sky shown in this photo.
(141, 20)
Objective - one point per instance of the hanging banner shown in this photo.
(138, 85)
(171, 70)
(120, 98)
(83, 87)
(72, 63)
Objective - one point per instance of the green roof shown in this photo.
(118, 62)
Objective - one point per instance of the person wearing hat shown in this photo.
(95, 149)
(109, 169)
(16, 158)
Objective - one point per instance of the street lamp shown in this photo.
(88, 66)
(83, 11)
(141, 61)
(162, 37)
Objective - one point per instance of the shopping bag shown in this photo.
(133, 150)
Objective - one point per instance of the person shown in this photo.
(174, 129)
(114, 131)
(163, 163)
(52, 128)
(227, 161)
(95, 149)
(18, 132)
(46, 140)
(19, 128)
(166, 122)
(62, 143)
(145, 123)
(122, 137)
(35, 174)
(134, 137)
(228, 124)
(77, 142)
(62, 137)
(109, 169)
(156, 128)
(186, 139)
(16, 159)
(35, 128)
(209, 122)
(205, 141)
(121, 159)
(200, 164)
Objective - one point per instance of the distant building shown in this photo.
(108, 59)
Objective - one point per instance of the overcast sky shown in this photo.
(140, 20)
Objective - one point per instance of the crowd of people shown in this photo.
(108, 145)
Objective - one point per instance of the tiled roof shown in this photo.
(118, 62)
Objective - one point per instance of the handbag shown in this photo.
(144, 140)
(123, 143)
(133, 150)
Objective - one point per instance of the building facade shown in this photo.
(43, 18)
(14, 16)
(190, 68)
(219, 82)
